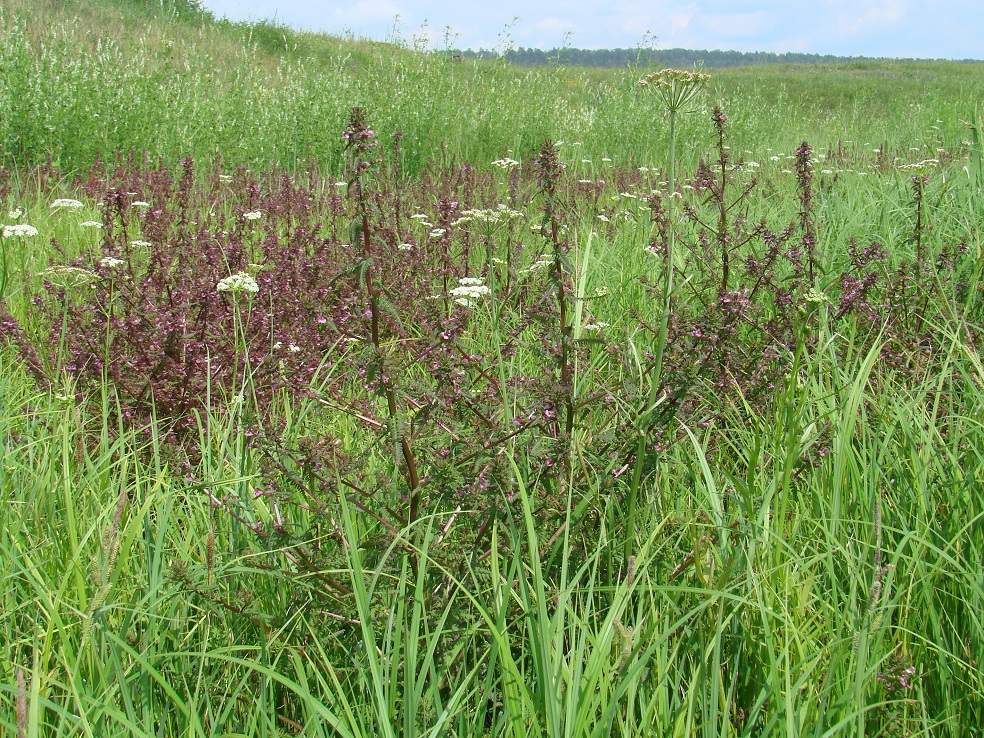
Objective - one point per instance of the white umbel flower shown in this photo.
(254, 215)
(67, 203)
(236, 283)
(469, 291)
(21, 230)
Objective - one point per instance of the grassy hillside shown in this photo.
(310, 430)
(83, 81)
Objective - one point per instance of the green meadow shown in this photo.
(350, 390)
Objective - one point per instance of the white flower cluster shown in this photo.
(236, 283)
(17, 213)
(542, 263)
(111, 262)
(141, 244)
(69, 276)
(920, 164)
(437, 233)
(405, 247)
(253, 215)
(469, 291)
(493, 216)
(505, 163)
(292, 348)
(21, 230)
(597, 326)
(140, 204)
(68, 203)
(91, 224)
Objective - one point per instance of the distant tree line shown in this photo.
(644, 57)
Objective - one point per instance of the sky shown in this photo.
(951, 29)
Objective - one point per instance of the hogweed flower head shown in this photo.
(675, 88)
(254, 215)
(236, 283)
(505, 163)
(487, 220)
(67, 203)
(20, 230)
(469, 291)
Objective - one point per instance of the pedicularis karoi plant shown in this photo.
(264, 290)
(369, 373)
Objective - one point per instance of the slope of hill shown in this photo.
(83, 80)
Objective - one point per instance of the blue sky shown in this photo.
(951, 29)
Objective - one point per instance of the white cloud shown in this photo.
(859, 17)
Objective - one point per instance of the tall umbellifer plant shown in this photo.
(676, 91)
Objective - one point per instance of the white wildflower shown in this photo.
(17, 213)
(437, 233)
(140, 204)
(21, 230)
(539, 264)
(584, 181)
(605, 158)
(141, 244)
(602, 217)
(91, 224)
(505, 163)
(596, 326)
(70, 276)
(469, 291)
(236, 283)
(65, 202)
(253, 215)
(294, 348)
(418, 216)
(111, 262)
(491, 217)
(405, 247)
